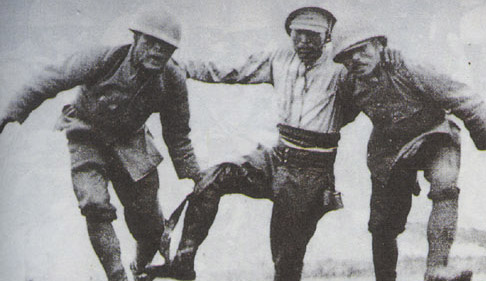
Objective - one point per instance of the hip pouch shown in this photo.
(332, 200)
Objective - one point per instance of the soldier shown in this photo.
(297, 174)
(108, 141)
(408, 106)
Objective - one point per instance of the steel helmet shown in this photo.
(158, 23)
(356, 38)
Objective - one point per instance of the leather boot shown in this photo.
(139, 273)
(448, 275)
(200, 215)
(145, 253)
(181, 268)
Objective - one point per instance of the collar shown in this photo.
(132, 70)
(374, 77)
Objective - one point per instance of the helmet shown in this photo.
(158, 23)
(355, 38)
(328, 15)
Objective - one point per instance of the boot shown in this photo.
(145, 253)
(146, 250)
(139, 274)
(107, 248)
(444, 274)
(181, 268)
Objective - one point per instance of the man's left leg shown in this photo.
(442, 171)
(143, 216)
(298, 206)
(389, 208)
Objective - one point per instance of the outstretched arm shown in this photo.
(471, 108)
(4, 123)
(77, 69)
(458, 99)
(256, 69)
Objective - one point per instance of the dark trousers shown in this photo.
(296, 188)
(390, 206)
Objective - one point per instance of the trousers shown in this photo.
(296, 187)
(390, 206)
(142, 212)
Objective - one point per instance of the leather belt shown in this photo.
(304, 158)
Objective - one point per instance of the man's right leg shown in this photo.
(202, 209)
(143, 216)
(90, 187)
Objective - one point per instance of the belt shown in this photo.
(314, 149)
(306, 139)
(305, 158)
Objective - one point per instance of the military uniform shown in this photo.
(107, 138)
(411, 131)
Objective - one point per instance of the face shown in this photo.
(308, 44)
(364, 59)
(151, 53)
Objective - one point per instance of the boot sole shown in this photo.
(164, 271)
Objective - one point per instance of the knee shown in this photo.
(217, 178)
(441, 193)
(385, 229)
(90, 188)
(382, 226)
(228, 172)
(443, 175)
(98, 212)
(384, 238)
(96, 206)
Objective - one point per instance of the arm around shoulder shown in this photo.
(256, 69)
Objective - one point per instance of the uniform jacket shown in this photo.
(408, 105)
(112, 106)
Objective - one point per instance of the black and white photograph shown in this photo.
(243, 140)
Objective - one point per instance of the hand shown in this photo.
(197, 178)
(4, 122)
(393, 57)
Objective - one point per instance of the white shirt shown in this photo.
(307, 96)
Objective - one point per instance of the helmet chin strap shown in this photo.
(328, 33)
(328, 36)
